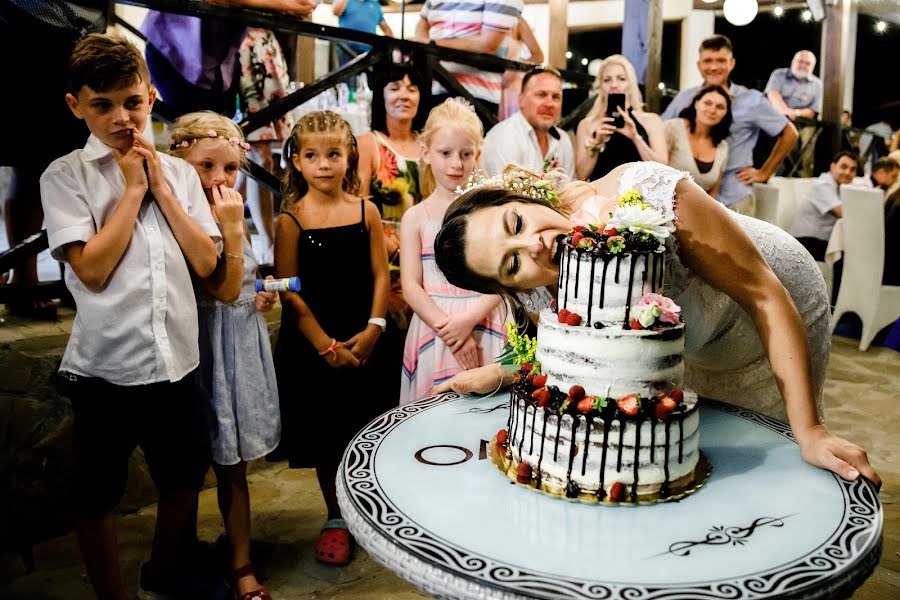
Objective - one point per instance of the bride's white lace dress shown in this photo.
(724, 356)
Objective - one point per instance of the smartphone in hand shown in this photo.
(613, 102)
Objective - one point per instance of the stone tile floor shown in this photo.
(288, 510)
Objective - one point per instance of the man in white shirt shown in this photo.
(530, 138)
(821, 207)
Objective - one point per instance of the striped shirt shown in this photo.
(448, 19)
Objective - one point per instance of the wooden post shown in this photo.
(559, 33)
(305, 57)
(835, 41)
(654, 56)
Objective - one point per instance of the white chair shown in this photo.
(861, 290)
(786, 201)
(767, 199)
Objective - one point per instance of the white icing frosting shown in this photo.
(611, 361)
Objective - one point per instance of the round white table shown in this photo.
(420, 495)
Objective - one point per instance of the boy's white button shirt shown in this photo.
(142, 327)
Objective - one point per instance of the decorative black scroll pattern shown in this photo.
(832, 570)
(721, 535)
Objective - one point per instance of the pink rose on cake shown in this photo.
(654, 308)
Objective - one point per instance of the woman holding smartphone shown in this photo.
(616, 130)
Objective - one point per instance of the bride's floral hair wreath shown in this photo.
(210, 134)
(520, 181)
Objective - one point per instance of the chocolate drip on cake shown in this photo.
(591, 288)
(578, 271)
(606, 260)
(621, 439)
(618, 265)
(589, 423)
(628, 297)
(570, 487)
(680, 440)
(664, 489)
(541, 451)
(556, 441)
(566, 288)
(662, 271)
(513, 413)
(637, 455)
(533, 418)
(652, 442)
(601, 491)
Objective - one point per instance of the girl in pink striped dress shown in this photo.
(452, 329)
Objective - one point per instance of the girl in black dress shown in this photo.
(327, 358)
(601, 147)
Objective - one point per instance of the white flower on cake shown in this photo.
(637, 219)
(656, 307)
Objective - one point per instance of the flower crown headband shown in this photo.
(517, 180)
(211, 134)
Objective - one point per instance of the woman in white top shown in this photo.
(696, 139)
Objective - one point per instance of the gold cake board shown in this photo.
(678, 489)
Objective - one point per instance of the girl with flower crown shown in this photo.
(236, 371)
(758, 315)
(452, 329)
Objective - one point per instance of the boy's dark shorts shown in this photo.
(167, 420)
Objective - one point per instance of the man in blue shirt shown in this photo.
(752, 113)
(361, 15)
(797, 94)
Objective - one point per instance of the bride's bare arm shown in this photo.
(713, 246)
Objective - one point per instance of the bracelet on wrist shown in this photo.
(331, 349)
(234, 256)
(380, 321)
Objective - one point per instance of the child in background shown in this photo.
(236, 369)
(331, 368)
(452, 329)
(133, 227)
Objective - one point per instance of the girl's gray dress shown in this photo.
(237, 373)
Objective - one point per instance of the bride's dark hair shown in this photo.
(450, 242)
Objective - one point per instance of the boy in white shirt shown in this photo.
(132, 226)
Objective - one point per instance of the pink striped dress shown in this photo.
(426, 360)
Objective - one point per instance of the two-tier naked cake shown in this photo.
(602, 411)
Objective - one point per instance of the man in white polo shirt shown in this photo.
(530, 138)
(821, 207)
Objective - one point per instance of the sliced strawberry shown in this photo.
(573, 319)
(677, 396)
(586, 404)
(543, 400)
(540, 381)
(502, 436)
(617, 492)
(611, 231)
(578, 228)
(635, 324)
(576, 392)
(526, 367)
(665, 405)
(562, 315)
(576, 238)
(517, 377)
(523, 472)
(629, 404)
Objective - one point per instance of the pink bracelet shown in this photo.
(330, 348)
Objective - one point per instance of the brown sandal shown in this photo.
(248, 569)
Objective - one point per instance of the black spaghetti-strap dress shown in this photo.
(322, 407)
(619, 150)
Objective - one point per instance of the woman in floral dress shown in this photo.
(264, 79)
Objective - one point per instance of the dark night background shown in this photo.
(769, 42)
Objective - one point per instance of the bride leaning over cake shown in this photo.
(751, 296)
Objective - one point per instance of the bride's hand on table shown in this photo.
(480, 380)
(823, 449)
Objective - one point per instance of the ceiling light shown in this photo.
(740, 12)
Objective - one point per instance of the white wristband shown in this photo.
(380, 322)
